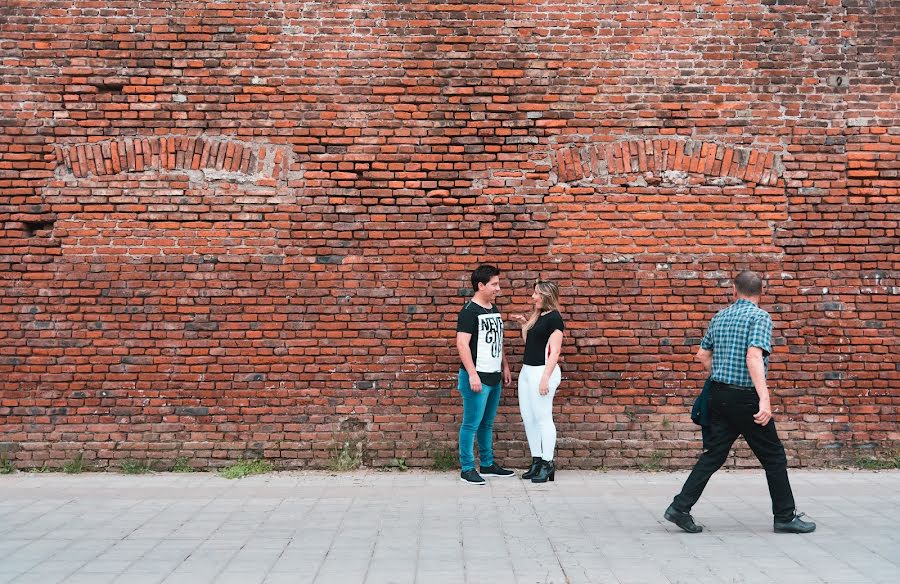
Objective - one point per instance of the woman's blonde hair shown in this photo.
(549, 293)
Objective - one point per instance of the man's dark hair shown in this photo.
(748, 283)
(483, 275)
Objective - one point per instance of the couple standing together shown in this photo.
(479, 340)
(734, 352)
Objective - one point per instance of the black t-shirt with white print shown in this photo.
(539, 335)
(486, 327)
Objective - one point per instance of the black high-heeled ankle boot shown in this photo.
(546, 473)
(534, 468)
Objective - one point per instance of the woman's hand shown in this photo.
(544, 386)
(519, 318)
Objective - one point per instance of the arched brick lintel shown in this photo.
(579, 162)
(218, 157)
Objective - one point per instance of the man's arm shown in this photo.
(507, 375)
(465, 355)
(757, 368)
(705, 357)
(707, 345)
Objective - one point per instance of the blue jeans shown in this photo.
(479, 410)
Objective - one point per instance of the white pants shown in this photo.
(537, 410)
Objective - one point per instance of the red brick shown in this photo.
(310, 301)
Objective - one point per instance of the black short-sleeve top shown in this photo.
(536, 342)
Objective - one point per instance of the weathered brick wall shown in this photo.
(243, 229)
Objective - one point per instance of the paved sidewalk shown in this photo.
(425, 527)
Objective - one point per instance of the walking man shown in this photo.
(735, 353)
(479, 340)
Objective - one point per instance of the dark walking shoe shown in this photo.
(495, 470)
(547, 472)
(534, 468)
(795, 525)
(471, 477)
(682, 520)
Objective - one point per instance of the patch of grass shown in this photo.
(345, 458)
(888, 462)
(654, 462)
(41, 469)
(131, 466)
(6, 465)
(74, 466)
(394, 464)
(445, 459)
(181, 464)
(246, 468)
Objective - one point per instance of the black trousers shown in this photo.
(731, 415)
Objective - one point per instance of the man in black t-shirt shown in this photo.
(479, 340)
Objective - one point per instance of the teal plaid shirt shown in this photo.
(731, 332)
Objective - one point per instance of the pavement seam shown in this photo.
(334, 536)
(544, 530)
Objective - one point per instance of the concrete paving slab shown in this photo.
(427, 527)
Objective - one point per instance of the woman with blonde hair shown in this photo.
(542, 332)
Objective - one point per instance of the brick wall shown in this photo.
(244, 229)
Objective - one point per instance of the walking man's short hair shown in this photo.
(483, 275)
(748, 283)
